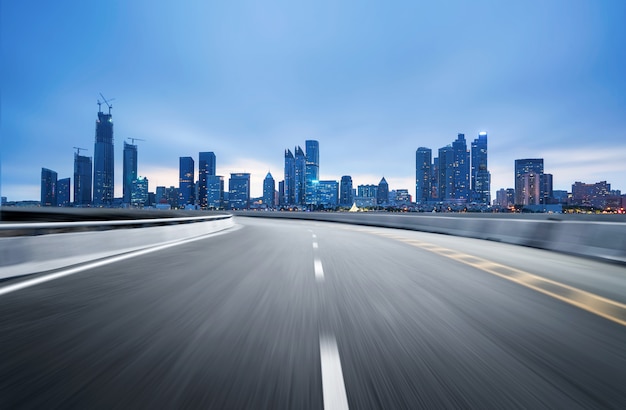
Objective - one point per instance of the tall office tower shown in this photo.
(129, 171)
(63, 192)
(461, 170)
(239, 190)
(445, 179)
(139, 192)
(346, 198)
(434, 179)
(312, 169)
(281, 193)
(215, 191)
(82, 180)
(103, 161)
(480, 178)
(547, 196)
(160, 195)
(48, 187)
(382, 195)
(300, 176)
(186, 184)
(368, 191)
(528, 188)
(269, 188)
(510, 196)
(327, 193)
(423, 175)
(290, 178)
(206, 167)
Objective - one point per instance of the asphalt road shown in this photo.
(295, 314)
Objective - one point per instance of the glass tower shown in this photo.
(528, 181)
(312, 169)
(206, 167)
(346, 197)
(82, 180)
(186, 185)
(290, 178)
(269, 187)
(103, 162)
(63, 192)
(300, 176)
(239, 190)
(480, 178)
(129, 171)
(423, 171)
(48, 187)
(382, 195)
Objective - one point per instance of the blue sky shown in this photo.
(370, 80)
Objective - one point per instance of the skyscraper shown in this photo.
(186, 185)
(461, 170)
(326, 193)
(300, 176)
(239, 190)
(312, 169)
(48, 187)
(63, 192)
(215, 191)
(82, 180)
(423, 172)
(345, 191)
(480, 177)
(129, 171)
(103, 164)
(528, 181)
(269, 188)
(382, 195)
(139, 192)
(206, 167)
(290, 178)
(445, 179)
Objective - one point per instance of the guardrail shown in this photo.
(602, 238)
(27, 248)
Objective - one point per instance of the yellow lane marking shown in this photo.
(598, 305)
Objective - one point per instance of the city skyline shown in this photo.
(371, 83)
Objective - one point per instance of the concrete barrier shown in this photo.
(21, 255)
(602, 236)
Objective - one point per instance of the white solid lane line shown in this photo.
(333, 387)
(319, 271)
(67, 272)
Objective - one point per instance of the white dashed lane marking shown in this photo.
(333, 386)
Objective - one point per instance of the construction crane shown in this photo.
(132, 140)
(107, 102)
(79, 149)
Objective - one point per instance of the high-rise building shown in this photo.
(290, 178)
(281, 193)
(346, 198)
(312, 169)
(206, 167)
(215, 191)
(48, 187)
(63, 192)
(593, 195)
(103, 161)
(300, 176)
(461, 171)
(239, 190)
(269, 189)
(139, 192)
(186, 184)
(423, 175)
(445, 179)
(326, 193)
(528, 181)
(129, 171)
(82, 180)
(382, 195)
(547, 196)
(480, 177)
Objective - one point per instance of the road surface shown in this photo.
(297, 315)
